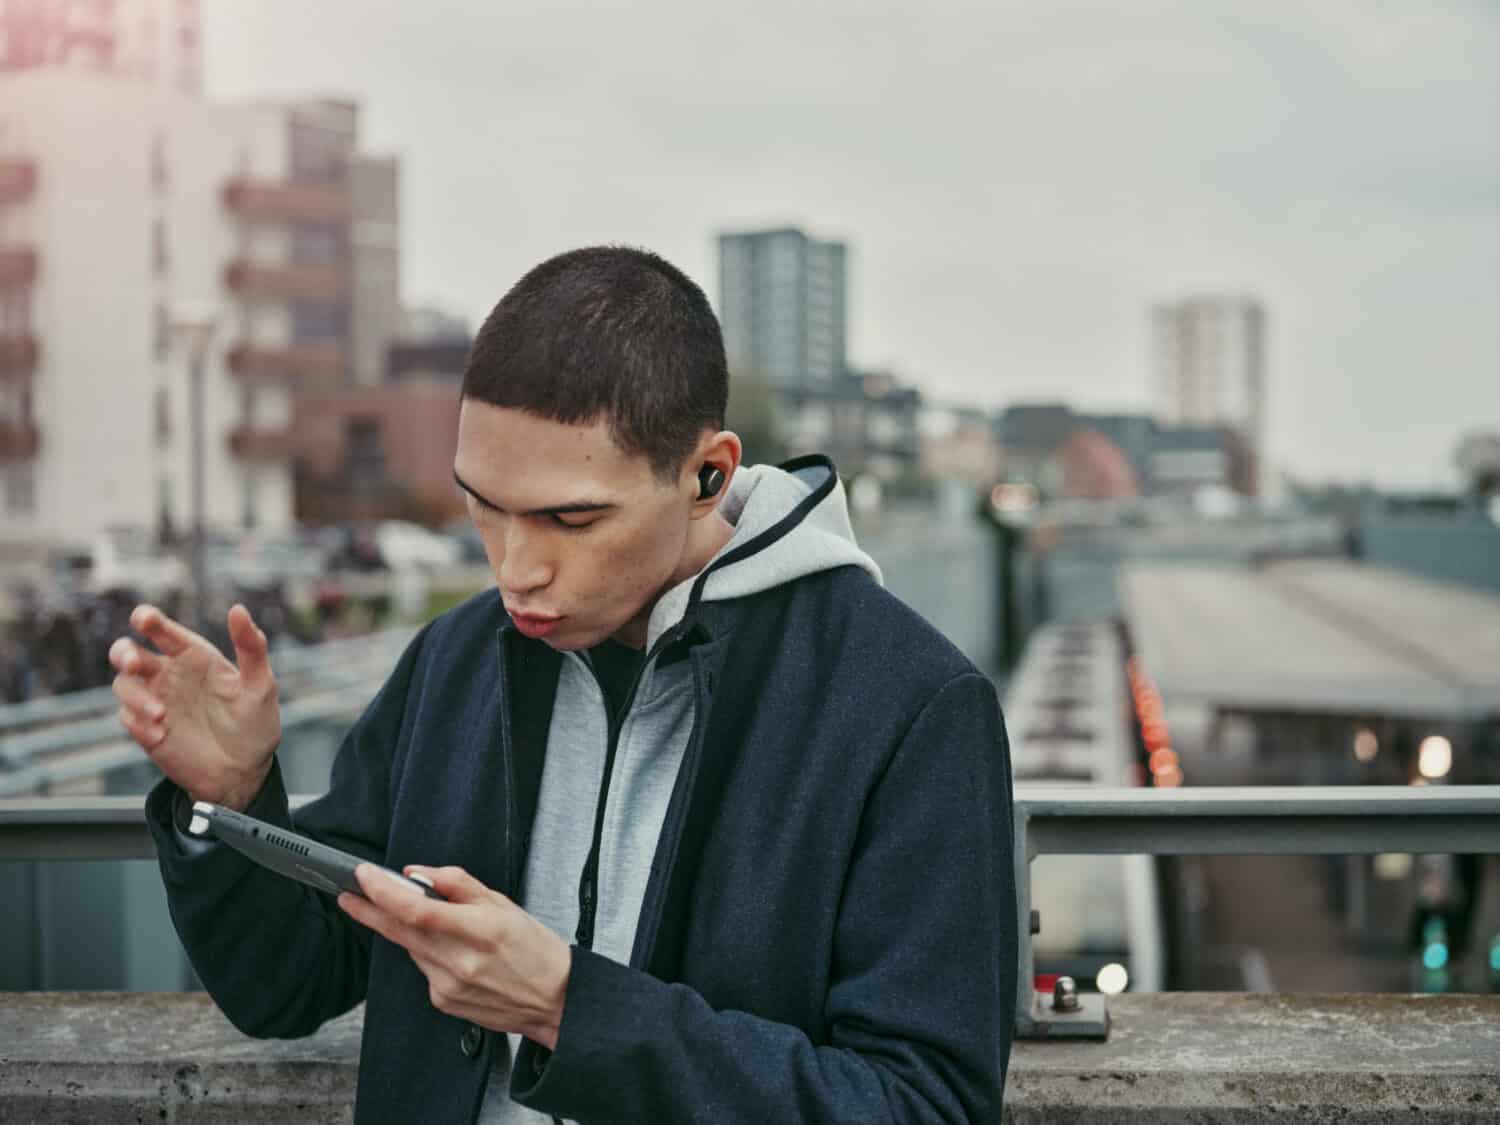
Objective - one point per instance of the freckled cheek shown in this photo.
(629, 570)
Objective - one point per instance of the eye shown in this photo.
(572, 522)
(483, 511)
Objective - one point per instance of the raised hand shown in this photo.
(211, 726)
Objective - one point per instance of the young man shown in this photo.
(723, 827)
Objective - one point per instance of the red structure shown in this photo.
(1094, 468)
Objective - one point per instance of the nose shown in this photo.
(525, 565)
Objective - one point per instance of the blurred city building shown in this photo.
(374, 453)
(1068, 453)
(430, 324)
(783, 307)
(156, 41)
(1478, 459)
(266, 214)
(783, 300)
(866, 422)
(1209, 367)
(1031, 434)
(959, 443)
(386, 451)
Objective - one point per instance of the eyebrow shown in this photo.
(575, 506)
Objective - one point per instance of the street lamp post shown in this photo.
(194, 325)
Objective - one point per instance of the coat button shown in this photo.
(471, 1040)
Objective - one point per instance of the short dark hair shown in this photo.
(613, 332)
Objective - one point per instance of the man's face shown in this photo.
(582, 537)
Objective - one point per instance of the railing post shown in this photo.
(1025, 962)
(1036, 1017)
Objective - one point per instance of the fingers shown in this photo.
(395, 895)
(251, 652)
(383, 920)
(141, 714)
(135, 697)
(147, 734)
(453, 883)
(161, 630)
(131, 659)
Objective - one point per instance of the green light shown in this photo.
(1495, 955)
(1435, 956)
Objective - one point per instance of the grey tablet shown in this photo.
(287, 853)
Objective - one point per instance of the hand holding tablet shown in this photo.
(289, 853)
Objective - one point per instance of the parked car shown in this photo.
(120, 558)
(470, 545)
(410, 546)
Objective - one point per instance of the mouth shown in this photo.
(535, 625)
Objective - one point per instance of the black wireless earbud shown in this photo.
(710, 480)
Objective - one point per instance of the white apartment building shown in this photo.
(1209, 364)
(1209, 361)
(783, 300)
(127, 202)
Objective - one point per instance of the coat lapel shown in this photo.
(529, 670)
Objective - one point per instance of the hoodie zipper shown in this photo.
(588, 879)
(588, 882)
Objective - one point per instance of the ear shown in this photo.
(720, 451)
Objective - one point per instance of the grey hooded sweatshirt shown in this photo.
(652, 736)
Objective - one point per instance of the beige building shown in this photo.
(960, 444)
(1209, 365)
(125, 200)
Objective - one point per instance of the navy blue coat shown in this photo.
(828, 929)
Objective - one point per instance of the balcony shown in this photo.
(278, 202)
(18, 356)
(284, 282)
(17, 180)
(254, 444)
(18, 266)
(19, 441)
(302, 364)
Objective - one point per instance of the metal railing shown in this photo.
(290, 664)
(47, 742)
(1314, 820)
(1268, 820)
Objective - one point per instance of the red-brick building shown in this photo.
(378, 453)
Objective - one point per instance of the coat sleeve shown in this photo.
(278, 957)
(921, 1001)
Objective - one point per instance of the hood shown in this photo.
(789, 521)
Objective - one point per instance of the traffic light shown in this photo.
(1435, 945)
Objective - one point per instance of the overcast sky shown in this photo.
(1017, 182)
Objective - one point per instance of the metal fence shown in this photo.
(1311, 820)
(55, 741)
(1337, 820)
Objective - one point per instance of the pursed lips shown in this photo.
(533, 624)
(538, 617)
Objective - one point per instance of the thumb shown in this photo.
(251, 651)
(453, 883)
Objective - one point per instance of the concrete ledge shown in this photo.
(1236, 1058)
(79, 1057)
(1185, 1057)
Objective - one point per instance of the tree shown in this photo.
(752, 414)
(1478, 458)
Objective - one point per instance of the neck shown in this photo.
(706, 538)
